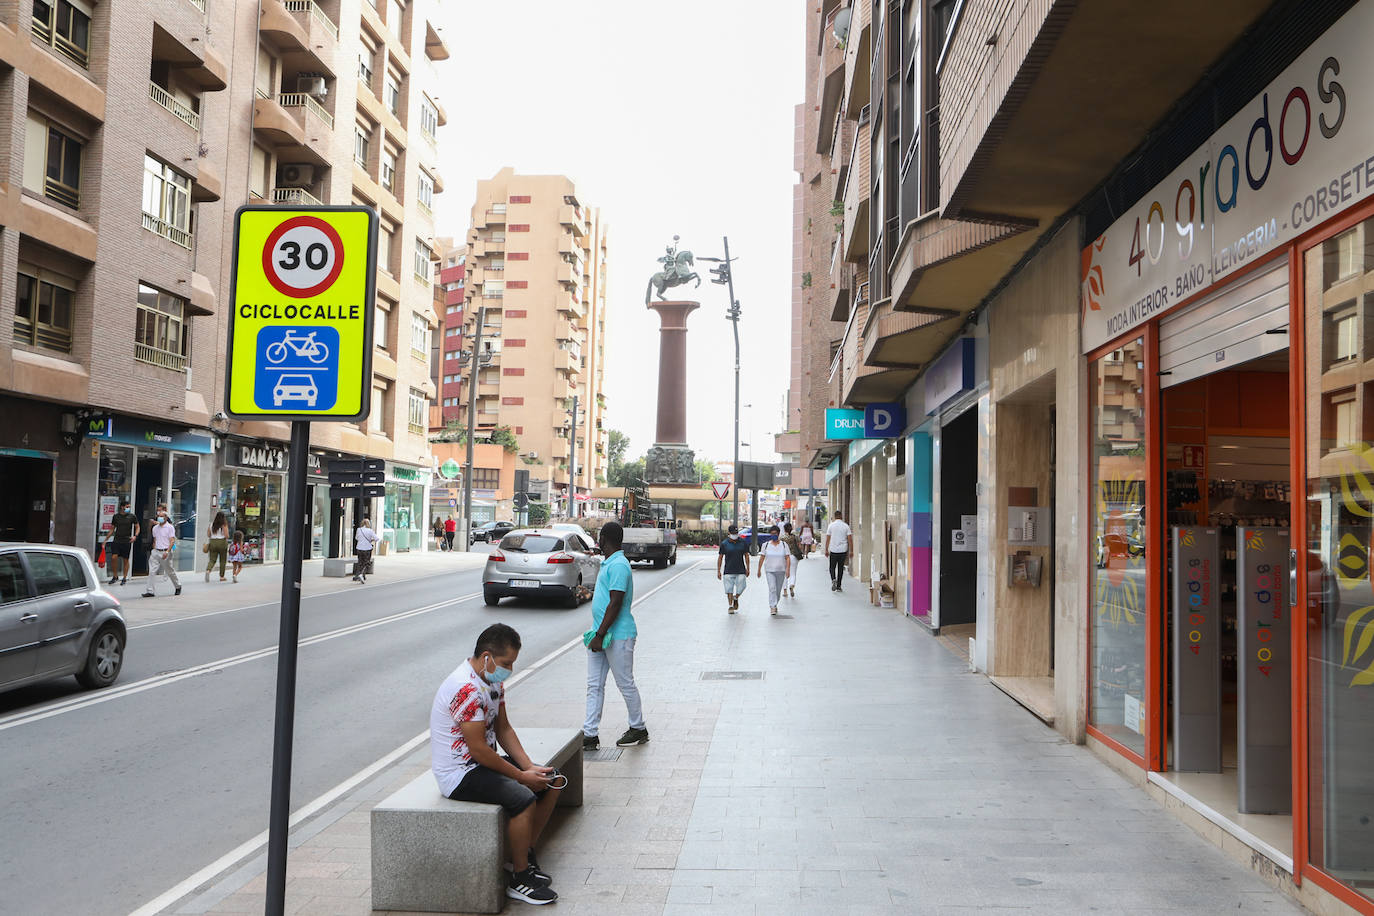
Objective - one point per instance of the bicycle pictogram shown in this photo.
(302, 345)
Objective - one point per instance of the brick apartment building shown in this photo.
(132, 132)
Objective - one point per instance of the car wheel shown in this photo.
(660, 563)
(491, 598)
(104, 658)
(672, 561)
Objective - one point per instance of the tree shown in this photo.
(539, 514)
(504, 436)
(706, 472)
(616, 445)
(623, 474)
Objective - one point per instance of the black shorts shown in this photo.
(120, 548)
(493, 788)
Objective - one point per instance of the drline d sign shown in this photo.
(1297, 154)
(300, 333)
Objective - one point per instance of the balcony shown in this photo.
(495, 217)
(857, 59)
(435, 49)
(165, 229)
(208, 184)
(283, 29)
(842, 153)
(273, 122)
(162, 358)
(563, 329)
(559, 447)
(299, 197)
(571, 216)
(841, 291)
(188, 54)
(488, 390)
(170, 102)
(309, 14)
(945, 263)
(563, 360)
(831, 86)
(299, 102)
(906, 340)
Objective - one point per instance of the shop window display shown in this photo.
(1117, 414)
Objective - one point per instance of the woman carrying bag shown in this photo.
(217, 545)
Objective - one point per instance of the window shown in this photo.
(161, 335)
(266, 67)
(13, 585)
(419, 336)
(1345, 421)
(1347, 255)
(423, 256)
(452, 332)
(376, 420)
(52, 161)
(417, 412)
(257, 177)
(66, 25)
(386, 240)
(429, 121)
(379, 327)
(365, 57)
(51, 574)
(393, 93)
(450, 402)
(362, 145)
(1343, 328)
(519, 198)
(425, 191)
(166, 202)
(388, 168)
(396, 17)
(453, 310)
(43, 309)
(486, 478)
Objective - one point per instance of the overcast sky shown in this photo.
(673, 119)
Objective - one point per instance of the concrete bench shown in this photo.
(434, 855)
(339, 567)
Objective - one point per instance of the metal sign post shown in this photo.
(300, 349)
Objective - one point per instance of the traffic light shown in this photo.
(721, 274)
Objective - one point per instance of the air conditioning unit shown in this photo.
(312, 85)
(533, 456)
(295, 175)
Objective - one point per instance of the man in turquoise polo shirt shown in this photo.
(611, 646)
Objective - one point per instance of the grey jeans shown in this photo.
(618, 657)
(776, 581)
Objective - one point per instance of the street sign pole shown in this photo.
(293, 543)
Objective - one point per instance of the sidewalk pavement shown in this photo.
(261, 584)
(849, 764)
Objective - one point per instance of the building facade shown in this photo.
(447, 369)
(1130, 350)
(536, 276)
(116, 248)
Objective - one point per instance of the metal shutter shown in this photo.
(1227, 328)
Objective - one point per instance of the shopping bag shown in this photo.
(100, 556)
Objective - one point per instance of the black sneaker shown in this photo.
(591, 743)
(632, 737)
(539, 876)
(538, 872)
(178, 591)
(524, 885)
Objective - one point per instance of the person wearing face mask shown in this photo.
(611, 645)
(161, 557)
(732, 567)
(466, 724)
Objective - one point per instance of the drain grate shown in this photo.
(732, 675)
(605, 754)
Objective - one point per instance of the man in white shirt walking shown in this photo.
(364, 540)
(160, 557)
(837, 537)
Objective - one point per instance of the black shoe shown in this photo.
(149, 595)
(178, 591)
(591, 743)
(123, 581)
(538, 872)
(524, 885)
(632, 737)
(113, 580)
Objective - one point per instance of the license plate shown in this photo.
(524, 583)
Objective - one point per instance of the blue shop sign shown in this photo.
(844, 423)
(884, 421)
(950, 375)
(134, 432)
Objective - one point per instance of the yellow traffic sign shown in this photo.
(300, 333)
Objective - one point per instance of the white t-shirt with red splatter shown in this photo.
(463, 697)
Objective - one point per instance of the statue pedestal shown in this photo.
(671, 465)
(672, 371)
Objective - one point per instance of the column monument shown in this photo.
(670, 461)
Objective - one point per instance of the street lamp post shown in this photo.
(572, 465)
(724, 275)
(472, 426)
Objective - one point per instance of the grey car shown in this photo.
(55, 618)
(541, 563)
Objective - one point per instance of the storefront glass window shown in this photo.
(1340, 529)
(116, 484)
(185, 479)
(404, 505)
(1117, 414)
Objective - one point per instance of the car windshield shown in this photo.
(531, 543)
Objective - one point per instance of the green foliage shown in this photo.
(706, 472)
(457, 431)
(624, 474)
(504, 436)
(708, 537)
(806, 280)
(539, 514)
(616, 444)
(837, 208)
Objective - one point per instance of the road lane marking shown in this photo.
(162, 680)
(251, 847)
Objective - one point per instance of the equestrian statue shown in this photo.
(677, 270)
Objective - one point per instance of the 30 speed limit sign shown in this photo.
(300, 333)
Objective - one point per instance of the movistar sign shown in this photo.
(842, 423)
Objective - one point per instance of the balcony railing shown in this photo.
(198, 4)
(50, 36)
(299, 196)
(416, 429)
(146, 354)
(309, 6)
(172, 104)
(421, 279)
(62, 193)
(306, 101)
(424, 208)
(167, 230)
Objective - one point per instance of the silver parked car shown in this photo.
(541, 562)
(55, 618)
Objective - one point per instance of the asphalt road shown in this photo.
(109, 798)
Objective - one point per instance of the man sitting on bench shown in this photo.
(466, 723)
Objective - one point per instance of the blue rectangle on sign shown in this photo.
(950, 375)
(843, 423)
(884, 421)
(297, 368)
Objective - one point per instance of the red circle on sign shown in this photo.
(269, 269)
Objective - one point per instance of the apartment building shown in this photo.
(1068, 245)
(536, 275)
(447, 369)
(134, 130)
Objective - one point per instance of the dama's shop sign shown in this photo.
(259, 457)
(1300, 152)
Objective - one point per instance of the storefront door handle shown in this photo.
(1292, 577)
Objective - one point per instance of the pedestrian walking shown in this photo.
(837, 538)
(364, 541)
(732, 567)
(798, 554)
(775, 559)
(611, 643)
(808, 536)
(450, 530)
(119, 543)
(161, 559)
(238, 554)
(438, 532)
(467, 721)
(216, 545)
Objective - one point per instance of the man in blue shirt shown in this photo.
(611, 646)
